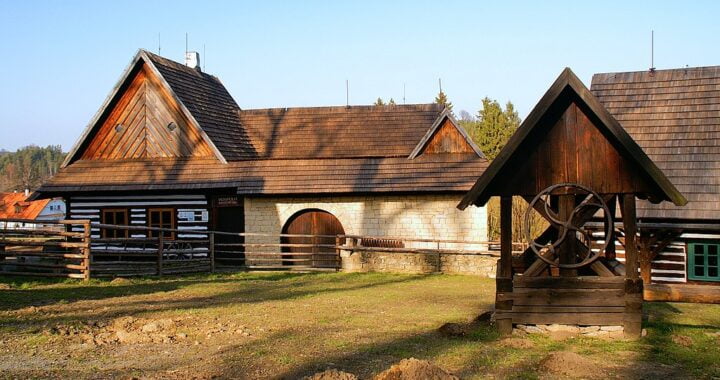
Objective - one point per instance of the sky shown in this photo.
(60, 59)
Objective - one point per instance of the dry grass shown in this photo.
(289, 325)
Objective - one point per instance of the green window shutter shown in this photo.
(704, 261)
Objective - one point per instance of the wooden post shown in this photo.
(633, 285)
(211, 242)
(610, 250)
(503, 283)
(160, 254)
(87, 235)
(568, 249)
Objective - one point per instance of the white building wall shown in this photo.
(406, 216)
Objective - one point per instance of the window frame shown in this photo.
(691, 246)
(173, 222)
(116, 234)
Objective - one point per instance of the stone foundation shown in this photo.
(394, 262)
(612, 332)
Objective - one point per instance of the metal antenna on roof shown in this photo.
(186, 43)
(347, 93)
(204, 59)
(159, 47)
(403, 93)
(440, 84)
(652, 51)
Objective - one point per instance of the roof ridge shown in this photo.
(385, 108)
(694, 68)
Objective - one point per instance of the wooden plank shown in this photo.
(584, 282)
(565, 297)
(682, 293)
(582, 319)
(567, 252)
(568, 309)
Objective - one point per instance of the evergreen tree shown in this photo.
(379, 102)
(442, 99)
(391, 102)
(493, 127)
(29, 167)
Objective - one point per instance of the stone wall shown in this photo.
(482, 265)
(409, 216)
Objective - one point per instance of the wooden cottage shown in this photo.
(674, 116)
(170, 148)
(572, 161)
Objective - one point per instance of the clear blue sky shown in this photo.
(59, 59)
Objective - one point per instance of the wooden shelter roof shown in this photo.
(570, 137)
(427, 173)
(674, 115)
(25, 210)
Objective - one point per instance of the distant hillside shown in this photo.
(29, 167)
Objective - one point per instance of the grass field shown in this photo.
(277, 325)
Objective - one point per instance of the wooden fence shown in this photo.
(79, 249)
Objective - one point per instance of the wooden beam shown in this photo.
(630, 224)
(567, 252)
(610, 253)
(682, 293)
(504, 276)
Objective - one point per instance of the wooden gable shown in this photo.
(445, 136)
(570, 138)
(447, 139)
(145, 122)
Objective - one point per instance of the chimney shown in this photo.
(27, 192)
(192, 60)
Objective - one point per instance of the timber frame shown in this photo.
(570, 142)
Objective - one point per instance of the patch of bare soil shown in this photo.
(455, 330)
(411, 369)
(682, 340)
(131, 330)
(331, 374)
(517, 343)
(569, 364)
(629, 365)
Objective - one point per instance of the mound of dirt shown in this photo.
(682, 340)
(5, 287)
(331, 374)
(120, 281)
(517, 343)
(453, 330)
(566, 363)
(411, 369)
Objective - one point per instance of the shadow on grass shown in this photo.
(363, 360)
(245, 289)
(689, 345)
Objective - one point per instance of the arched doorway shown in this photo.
(325, 226)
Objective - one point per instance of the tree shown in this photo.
(442, 99)
(391, 102)
(493, 127)
(29, 167)
(379, 102)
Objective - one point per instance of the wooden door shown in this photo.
(230, 219)
(324, 226)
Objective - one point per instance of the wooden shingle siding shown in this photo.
(89, 207)
(674, 115)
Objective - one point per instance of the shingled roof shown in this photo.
(16, 206)
(427, 173)
(674, 115)
(347, 149)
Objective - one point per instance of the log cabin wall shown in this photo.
(191, 212)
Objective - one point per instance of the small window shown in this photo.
(117, 217)
(161, 218)
(703, 261)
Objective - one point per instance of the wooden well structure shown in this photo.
(573, 162)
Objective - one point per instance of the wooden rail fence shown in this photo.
(81, 249)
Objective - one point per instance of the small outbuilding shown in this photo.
(573, 162)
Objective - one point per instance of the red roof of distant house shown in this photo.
(15, 206)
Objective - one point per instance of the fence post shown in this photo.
(212, 252)
(87, 235)
(160, 253)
